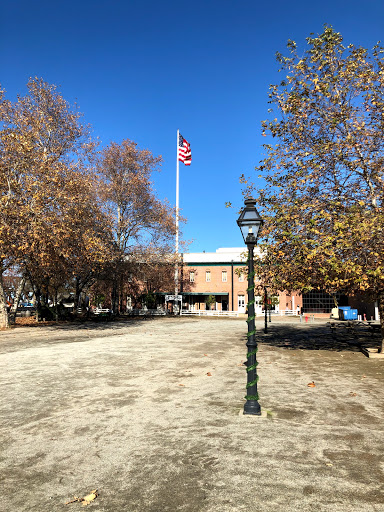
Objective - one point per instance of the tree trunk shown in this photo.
(114, 297)
(3, 306)
(56, 307)
(38, 304)
(77, 300)
(19, 291)
(381, 313)
(121, 302)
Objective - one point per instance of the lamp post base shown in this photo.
(252, 408)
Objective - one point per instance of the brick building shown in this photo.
(215, 281)
(219, 275)
(214, 274)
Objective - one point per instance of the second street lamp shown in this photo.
(250, 223)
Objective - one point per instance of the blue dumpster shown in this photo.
(343, 312)
(352, 314)
(346, 313)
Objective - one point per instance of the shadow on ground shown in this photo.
(117, 323)
(340, 337)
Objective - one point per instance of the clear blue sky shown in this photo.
(141, 70)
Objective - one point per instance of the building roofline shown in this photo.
(226, 255)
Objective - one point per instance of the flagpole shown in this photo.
(177, 219)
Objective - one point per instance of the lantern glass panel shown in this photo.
(249, 220)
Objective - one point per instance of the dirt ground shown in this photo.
(149, 412)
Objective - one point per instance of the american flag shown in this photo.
(184, 151)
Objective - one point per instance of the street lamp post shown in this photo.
(250, 223)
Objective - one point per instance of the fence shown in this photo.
(213, 312)
(281, 312)
(147, 312)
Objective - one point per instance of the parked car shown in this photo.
(25, 305)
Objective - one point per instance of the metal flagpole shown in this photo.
(177, 221)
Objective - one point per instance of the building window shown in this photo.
(241, 278)
(224, 276)
(191, 277)
(208, 276)
(318, 301)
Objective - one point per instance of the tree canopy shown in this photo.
(323, 169)
(141, 223)
(68, 213)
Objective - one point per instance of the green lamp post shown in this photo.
(250, 223)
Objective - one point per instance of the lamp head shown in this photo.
(249, 221)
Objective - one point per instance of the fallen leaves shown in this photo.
(86, 500)
(311, 385)
(90, 497)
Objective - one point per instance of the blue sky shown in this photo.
(142, 70)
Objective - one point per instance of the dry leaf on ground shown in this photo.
(86, 500)
(311, 385)
(90, 497)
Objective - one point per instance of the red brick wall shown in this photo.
(216, 285)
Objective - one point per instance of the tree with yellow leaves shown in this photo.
(142, 224)
(50, 222)
(323, 168)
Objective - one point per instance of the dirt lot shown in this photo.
(149, 413)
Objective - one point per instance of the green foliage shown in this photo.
(150, 300)
(274, 300)
(99, 298)
(211, 299)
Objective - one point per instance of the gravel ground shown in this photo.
(149, 412)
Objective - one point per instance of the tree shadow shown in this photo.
(319, 337)
(84, 325)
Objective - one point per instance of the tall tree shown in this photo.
(47, 210)
(323, 199)
(139, 219)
